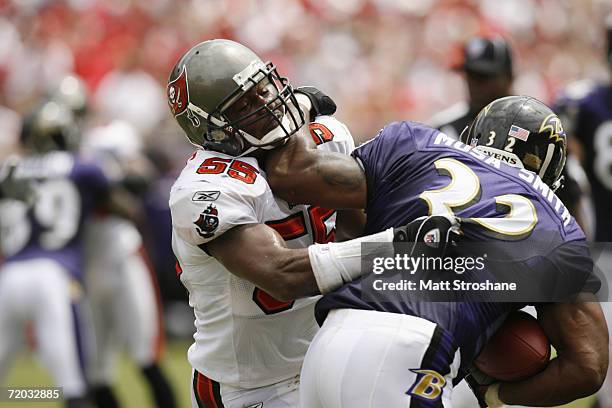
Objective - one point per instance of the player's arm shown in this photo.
(300, 173)
(264, 260)
(350, 224)
(579, 333)
(108, 197)
(257, 253)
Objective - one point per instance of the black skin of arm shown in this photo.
(350, 223)
(299, 173)
(285, 274)
(579, 333)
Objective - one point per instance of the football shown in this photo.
(518, 350)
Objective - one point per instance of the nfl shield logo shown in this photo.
(432, 237)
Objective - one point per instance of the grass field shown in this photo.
(130, 387)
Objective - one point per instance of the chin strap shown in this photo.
(276, 135)
(271, 137)
(558, 184)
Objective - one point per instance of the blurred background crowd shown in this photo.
(380, 60)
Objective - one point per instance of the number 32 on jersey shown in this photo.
(464, 190)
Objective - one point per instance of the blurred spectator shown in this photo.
(487, 66)
(10, 125)
(131, 94)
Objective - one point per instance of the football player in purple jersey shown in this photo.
(408, 351)
(586, 108)
(488, 66)
(41, 241)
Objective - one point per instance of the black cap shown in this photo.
(486, 56)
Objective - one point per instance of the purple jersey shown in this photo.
(67, 190)
(588, 116)
(413, 171)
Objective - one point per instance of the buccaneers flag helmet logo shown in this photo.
(178, 93)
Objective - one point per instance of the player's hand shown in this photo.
(481, 385)
(320, 103)
(432, 235)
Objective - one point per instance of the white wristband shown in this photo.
(492, 396)
(335, 264)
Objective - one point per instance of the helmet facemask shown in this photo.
(229, 135)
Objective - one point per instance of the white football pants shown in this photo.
(369, 359)
(41, 291)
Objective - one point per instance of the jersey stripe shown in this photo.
(291, 227)
(207, 391)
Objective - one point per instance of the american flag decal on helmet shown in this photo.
(519, 133)
(178, 93)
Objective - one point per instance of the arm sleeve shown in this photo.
(332, 135)
(576, 267)
(379, 154)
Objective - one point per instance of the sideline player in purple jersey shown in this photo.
(586, 108)
(40, 280)
(41, 242)
(411, 352)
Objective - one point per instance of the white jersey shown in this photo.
(244, 337)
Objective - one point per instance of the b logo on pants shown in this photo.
(428, 384)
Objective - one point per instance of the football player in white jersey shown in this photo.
(246, 257)
(122, 286)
